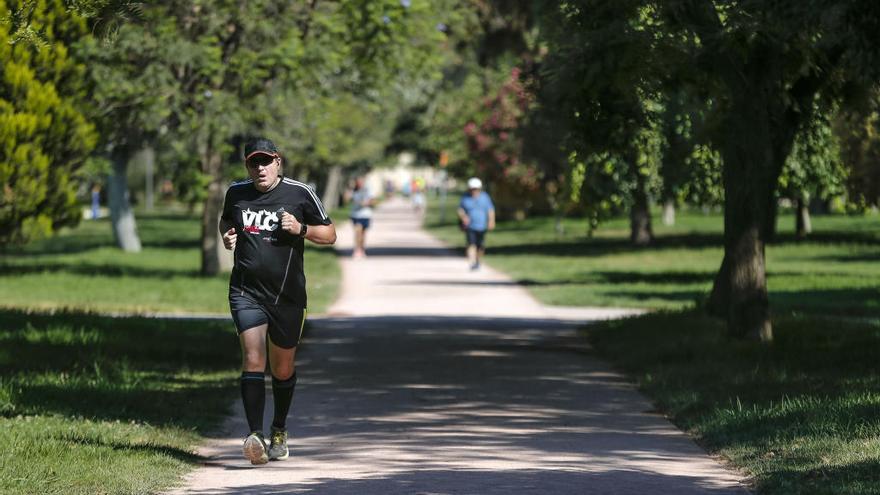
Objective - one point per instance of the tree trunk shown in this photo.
(558, 225)
(719, 298)
(121, 213)
(148, 155)
(669, 212)
(330, 198)
(214, 257)
(770, 229)
(641, 233)
(802, 218)
(756, 143)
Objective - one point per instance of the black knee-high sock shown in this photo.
(282, 393)
(253, 396)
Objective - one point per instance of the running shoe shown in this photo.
(278, 447)
(255, 449)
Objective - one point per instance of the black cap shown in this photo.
(259, 145)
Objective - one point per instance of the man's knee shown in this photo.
(283, 371)
(253, 361)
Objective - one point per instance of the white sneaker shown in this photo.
(255, 449)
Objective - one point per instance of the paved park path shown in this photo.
(426, 378)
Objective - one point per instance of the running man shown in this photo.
(477, 215)
(265, 221)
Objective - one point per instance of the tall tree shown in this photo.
(45, 136)
(764, 64)
(612, 99)
(769, 62)
(130, 90)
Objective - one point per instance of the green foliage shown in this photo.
(814, 168)
(198, 78)
(690, 169)
(859, 136)
(495, 147)
(45, 136)
(482, 43)
(612, 111)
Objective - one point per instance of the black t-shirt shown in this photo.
(269, 260)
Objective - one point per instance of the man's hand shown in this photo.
(465, 220)
(290, 224)
(229, 238)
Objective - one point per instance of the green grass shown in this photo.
(801, 415)
(81, 268)
(92, 404)
(835, 271)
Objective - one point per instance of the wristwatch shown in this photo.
(303, 230)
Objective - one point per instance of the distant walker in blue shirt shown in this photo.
(477, 215)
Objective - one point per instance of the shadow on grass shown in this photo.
(164, 450)
(829, 237)
(626, 277)
(664, 295)
(72, 243)
(855, 475)
(81, 365)
(842, 302)
(862, 302)
(856, 258)
(810, 395)
(602, 246)
(166, 231)
(95, 269)
(666, 277)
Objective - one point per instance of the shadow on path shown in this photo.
(480, 482)
(446, 404)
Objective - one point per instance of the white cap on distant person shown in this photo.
(475, 183)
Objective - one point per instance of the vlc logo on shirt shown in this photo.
(255, 221)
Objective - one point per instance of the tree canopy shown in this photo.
(583, 107)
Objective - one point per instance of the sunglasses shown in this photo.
(260, 160)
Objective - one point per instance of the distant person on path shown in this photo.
(477, 215)
(418, 195)
(96, 201)
(362, 202)
(266, 220)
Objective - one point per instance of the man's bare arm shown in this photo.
(322, 234)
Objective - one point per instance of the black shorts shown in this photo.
(285, 321)
(475, 237)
